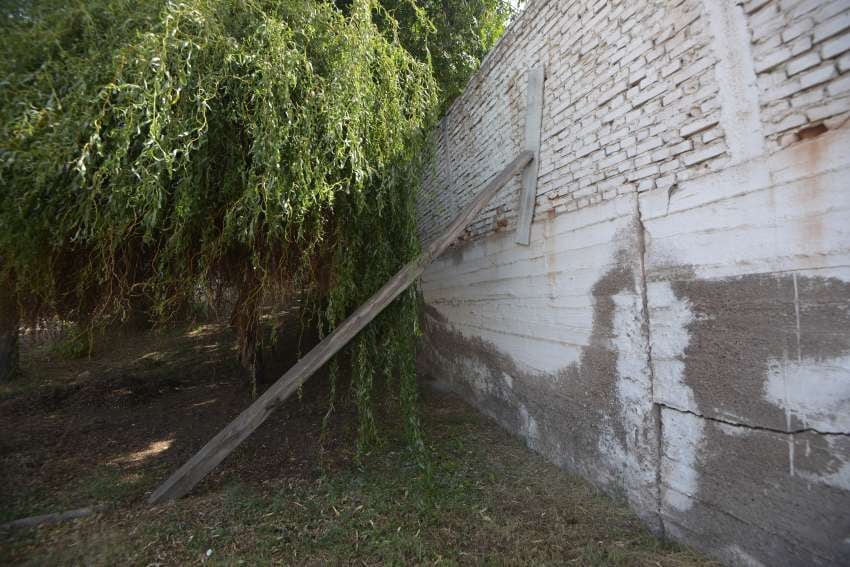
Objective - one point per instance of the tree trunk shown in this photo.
(138, 316)
(246, 322)
(9, 323)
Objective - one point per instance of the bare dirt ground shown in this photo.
(106, 429)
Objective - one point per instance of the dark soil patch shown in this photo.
(109, 429)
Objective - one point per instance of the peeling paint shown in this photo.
(593, 415)
(743, 474)
(837, 475)
(683, 438)
(679, 329)
(814, 393)
(682, 441)
(749, 369)
(741, 557)
(740, 359)
(671, 317)
(736, 79)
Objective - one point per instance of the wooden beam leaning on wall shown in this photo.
(533, 130)
(220, 446)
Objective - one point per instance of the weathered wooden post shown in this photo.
(533, 130)
(220, 446)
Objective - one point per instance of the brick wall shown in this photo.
(632, 98)
(630, 105)
(801, 60)
(677, 330)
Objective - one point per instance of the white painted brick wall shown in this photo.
(676, 154)
(798, 49)
(624, 79)
(629, 85)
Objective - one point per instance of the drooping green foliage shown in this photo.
(153, 152)
(454, 34)
(462, 33)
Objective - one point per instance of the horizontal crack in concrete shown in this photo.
(754, 427)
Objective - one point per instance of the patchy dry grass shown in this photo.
(282, 498)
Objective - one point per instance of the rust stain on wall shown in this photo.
(813, 152)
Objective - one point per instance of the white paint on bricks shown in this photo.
(736, 78)
(534, 303)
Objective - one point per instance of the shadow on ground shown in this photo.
(108, 429)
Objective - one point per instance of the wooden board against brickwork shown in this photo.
(220, 446)
(533, 128)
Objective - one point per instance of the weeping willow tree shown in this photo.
(153, 152)
(454, 34)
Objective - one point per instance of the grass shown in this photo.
(483, 498)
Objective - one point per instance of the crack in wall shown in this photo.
(754, 427)
(745, 331)
(702, 514)
(724, 347)
(647, 335)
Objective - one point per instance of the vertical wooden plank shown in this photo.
(533, 128)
